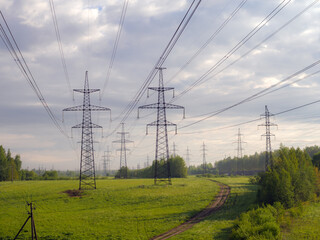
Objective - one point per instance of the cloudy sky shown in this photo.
(286, 44)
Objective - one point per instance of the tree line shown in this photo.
(253, 164)
(10, 167)
(292, 178)
(177, 165)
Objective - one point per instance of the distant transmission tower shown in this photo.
(106, 161)
(239, 150)
(204, 162)
(188, 157)
(87, 166)
(162, 166)
(123, 152)
(174, 150)
(268, 134)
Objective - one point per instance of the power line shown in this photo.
(183, 24)
(255, 120)
(63, 61)
(115, 46)
(221, 27)
(257, 28)
(16, 54)
(254, 96)
(267, 38)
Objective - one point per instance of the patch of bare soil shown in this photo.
(74, 193)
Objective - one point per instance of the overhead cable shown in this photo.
(115, 46)
(254, 31)
(254, 96)
(63, 61)
(183, 24)
(221, 27)
(15, 52)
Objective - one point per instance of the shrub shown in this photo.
(260, 223)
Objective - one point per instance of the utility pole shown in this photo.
(162, 166)
(33, 226)
(87, 165)
(204, 162)
(239, 150)
(268, 134)
(123, 152)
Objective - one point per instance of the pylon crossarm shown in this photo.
(86, 90)
(98, 108)
(76, 108)
(149, 106)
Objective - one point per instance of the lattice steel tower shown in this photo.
(123, 152)
(204, 162)
(87, 166)
(106, 161)
(161, 163)
(268, 134)
(188, 157)
(239, 151)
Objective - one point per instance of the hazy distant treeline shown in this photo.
(250, 165)
(178, 169)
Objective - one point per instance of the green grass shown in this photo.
(117, 209)
(305, 226)
(219, 225)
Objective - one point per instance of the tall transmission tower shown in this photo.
(268, 134)
(162, 166)
(204, 162)
(87, 165)
(239, 150)
(123, 152)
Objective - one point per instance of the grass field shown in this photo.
(305, 226)
(117, 209)
(219, 225)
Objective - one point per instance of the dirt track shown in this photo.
(211, 208)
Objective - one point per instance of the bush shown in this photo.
(260, 223)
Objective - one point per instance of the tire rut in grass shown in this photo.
(215, 205)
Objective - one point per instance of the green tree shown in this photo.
(291, 180)
(3, 164)
(316, 160)
(178, 167)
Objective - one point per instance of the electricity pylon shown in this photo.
(239, 150)
(161, 164)
(188, 157)
(174, 150)
(106, 161)
(87, 166)
(268, 134)
(123, 152)
(204, 162)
